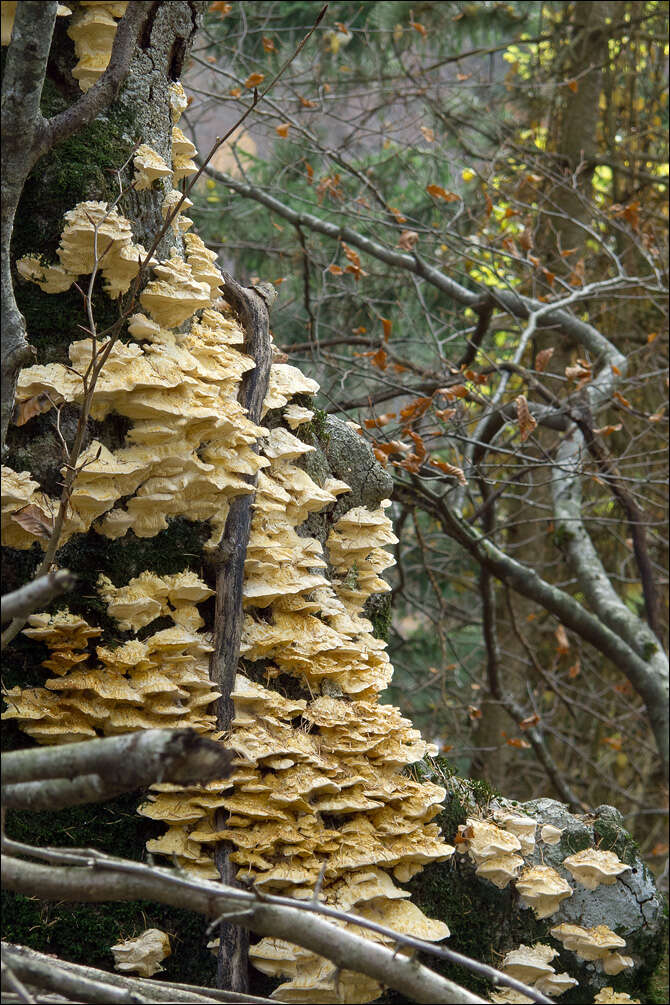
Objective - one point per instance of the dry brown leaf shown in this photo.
(407, 239)
(379, 420)
(608, 430)
(578, 372)
(440, 193)
(27, 409)
(562, 643)
(450, 469)
(397, 214)
(34, 520)
(526, 421)
(542, 359)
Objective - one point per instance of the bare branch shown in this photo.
(297, 925)
(642, 674)
(44, 971)
(22, 602)
(511, 706)
(129, 761)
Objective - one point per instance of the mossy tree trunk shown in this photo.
(80, 168)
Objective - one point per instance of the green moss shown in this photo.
(177, 548)
(313, 432)
(650, 649)
(656, 988)
(481, 918)
(84, 933)
(378, 611)
(77, 169)
(318, 426)
(611, 837)
(574, 841)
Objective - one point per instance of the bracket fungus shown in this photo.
(529, 963)
(543, 889)
(493, 849)
(320, 785)
(550, 834)
(142, 955)
(182, 153)
(532, 965)
(608, 996)
(591, 867)
(176, 294)
(149, 167)
(181, 223)
(588, 943)
(49, 278)
(92, 30)
(508, 996)
(178, 100)
(524, 827)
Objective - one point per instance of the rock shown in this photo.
(632, 906)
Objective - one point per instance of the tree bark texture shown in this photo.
(252, 311)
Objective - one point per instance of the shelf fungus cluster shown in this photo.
(92, 30)
(190, 448)
(595, 944)
(533, 966)
(8, 14)
(322, 790)
(499, 849)
(159, 682)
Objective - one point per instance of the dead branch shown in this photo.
(39, 592)
(48, 972)
(107, 878)
(109, 766)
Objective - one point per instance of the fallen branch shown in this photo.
(87, 983)
(89, 876)
(43, 778)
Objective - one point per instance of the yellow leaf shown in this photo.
(283, 129)
(268, 44)
(428, 134)
(468, 174)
